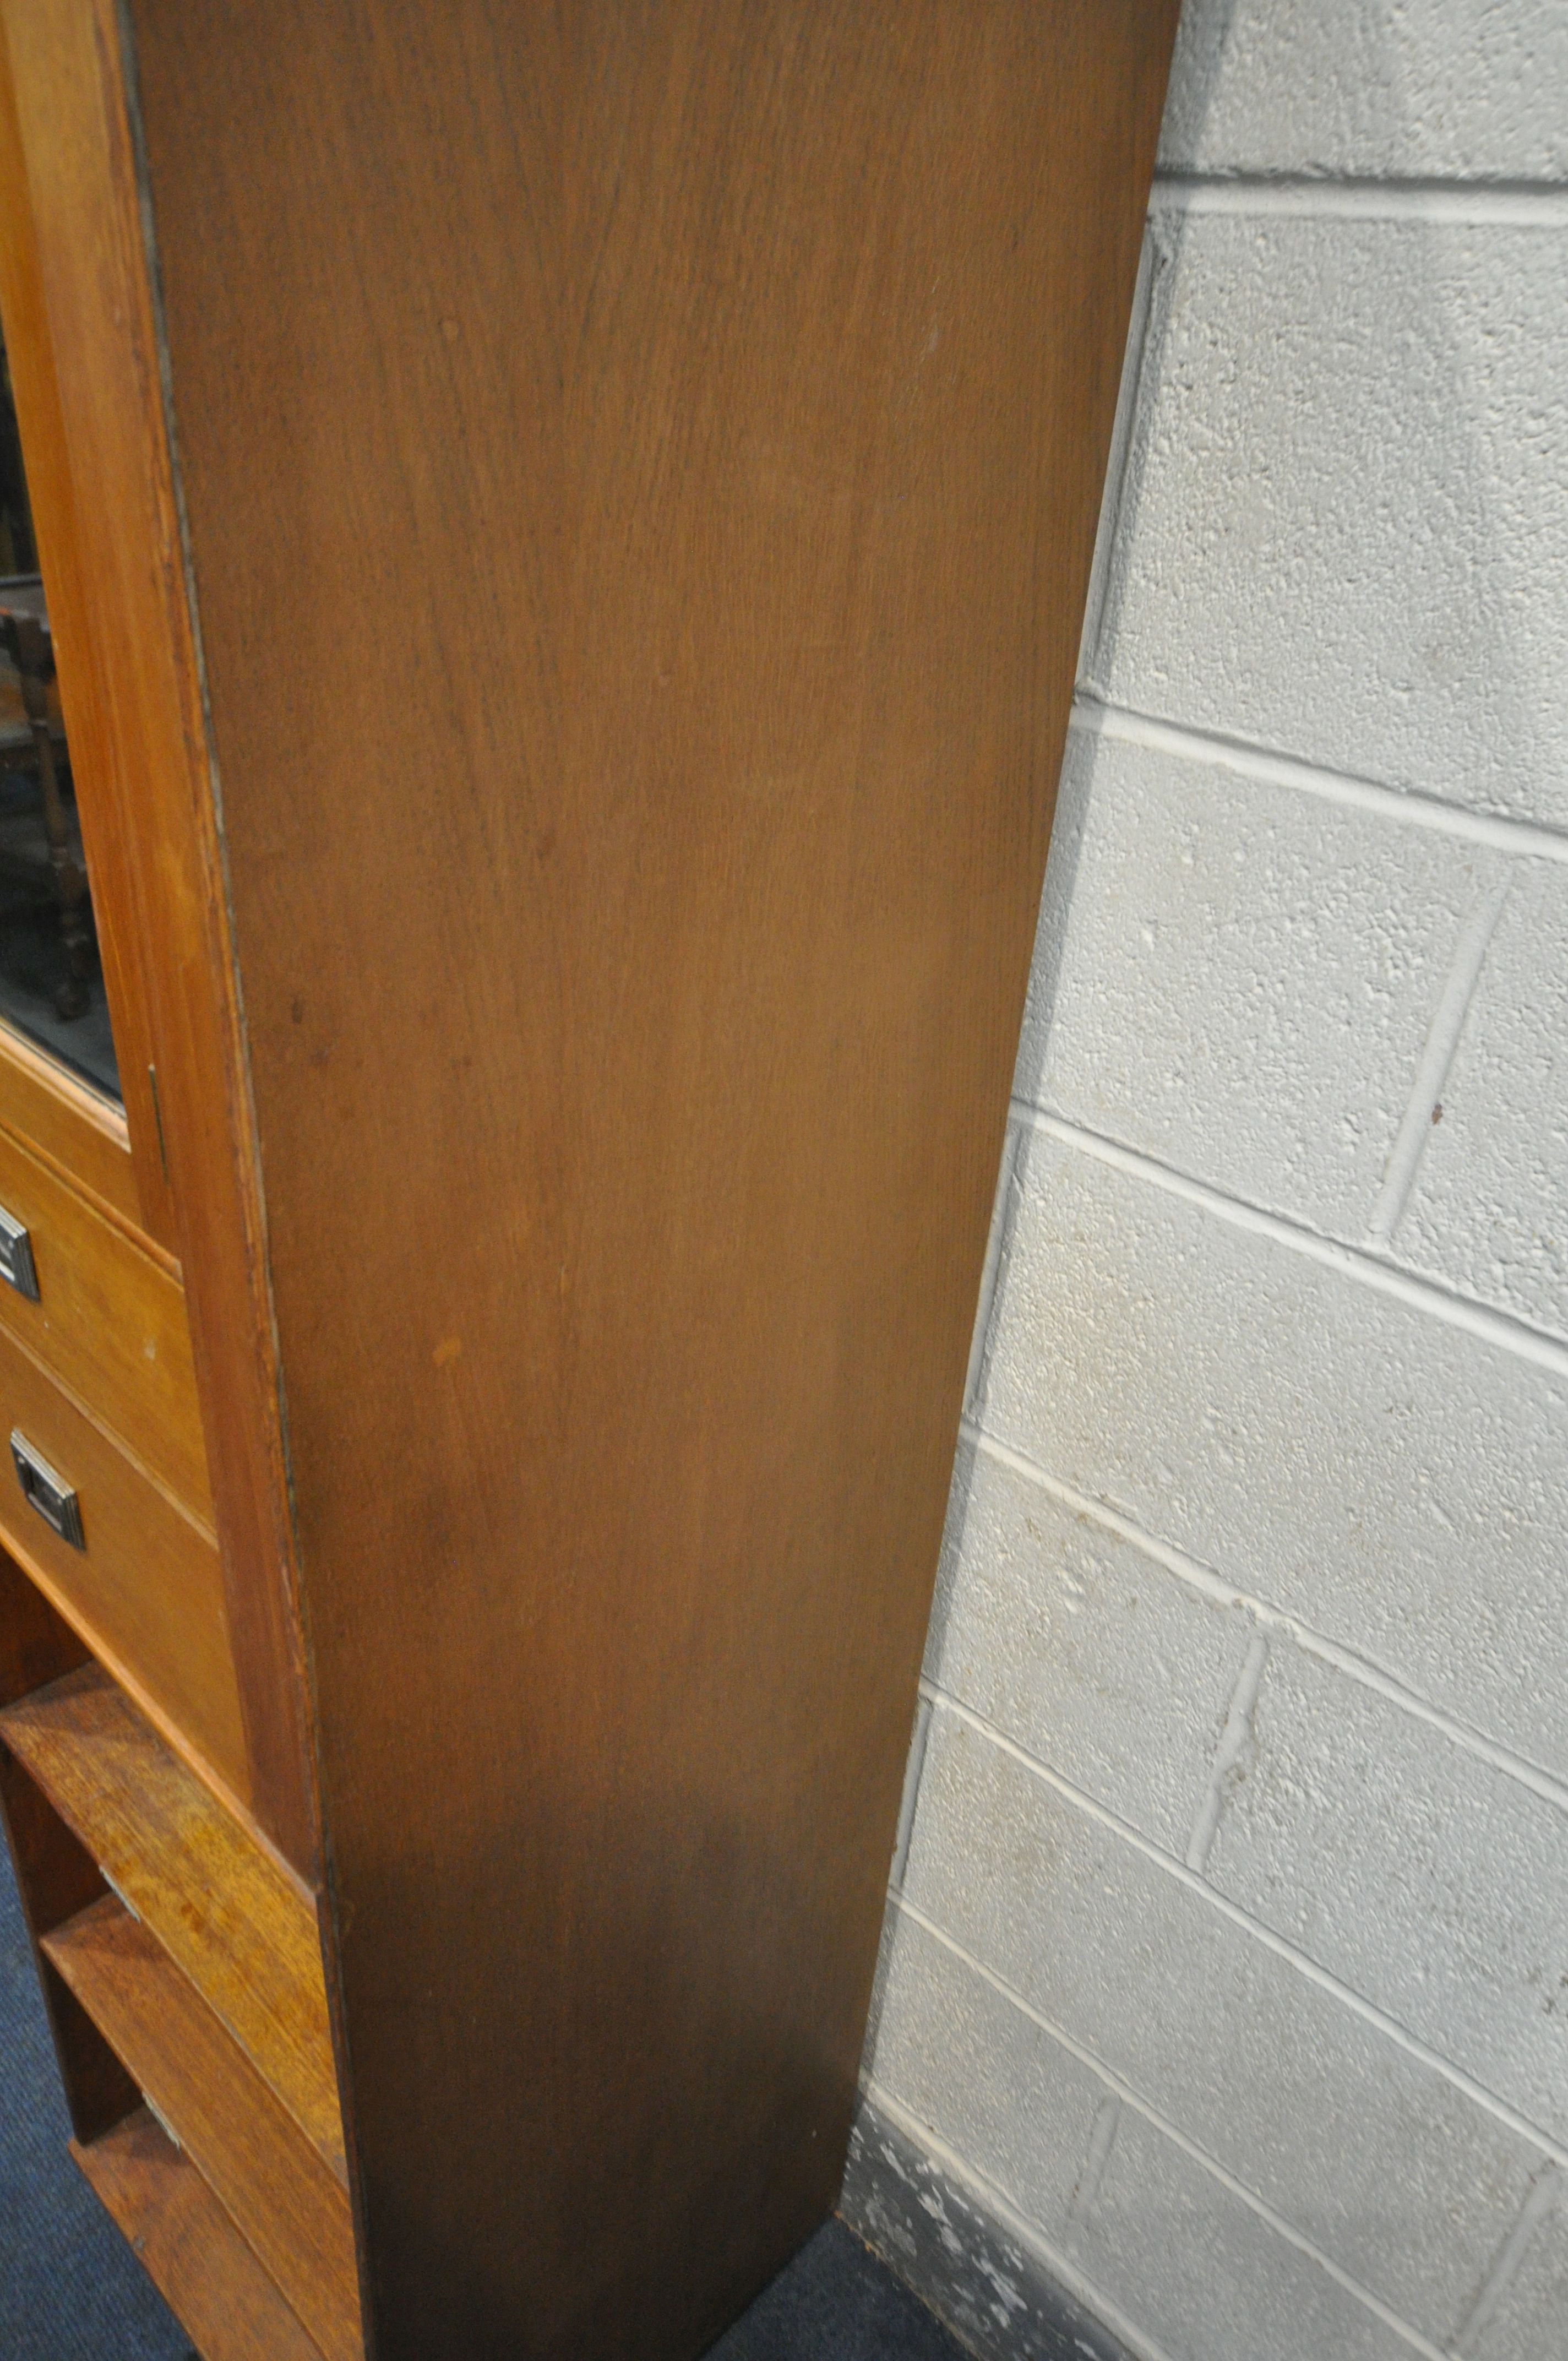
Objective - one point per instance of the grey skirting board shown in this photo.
(998, 2298)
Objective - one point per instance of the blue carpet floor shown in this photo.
(70, 2288)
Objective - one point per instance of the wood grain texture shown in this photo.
(230, 1916)
(191, 2251)
(158, 868)
(37, 1646)
(57, 1879)
(281, 2197)
(36, 1097)
(74, 1615)
(55, 1876)
(70, 1127)
(147, 1589)
(110, 1324)
(642, 468)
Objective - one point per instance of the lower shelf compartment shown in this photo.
(265, 2174)
(191, 2251)
(228, 1915)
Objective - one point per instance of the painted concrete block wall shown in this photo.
(1226, 1960)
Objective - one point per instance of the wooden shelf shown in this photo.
(193, 2253)
(228, 1915)
(281, 2198)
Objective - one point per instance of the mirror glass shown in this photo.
(51, 985)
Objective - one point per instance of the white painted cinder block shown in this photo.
(1428, 1881)
(1016, 2105)
(1529, 2319)
(1400, 88)
(1210, 2279)
(1237, 977)
(1078, 1646)
(1343, 532)
(1489, 1212)
(1148, 2224)
(1387, 2168)
(1397, 1482)
(1340, 537)
(1145, 2221)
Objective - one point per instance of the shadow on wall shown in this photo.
(1195, 69)
(1429, 590)
(1194, 76)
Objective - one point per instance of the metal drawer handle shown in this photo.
(50, 1494)
(16, 1257)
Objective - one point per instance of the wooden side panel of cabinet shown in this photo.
(641, 465)
(581, 721)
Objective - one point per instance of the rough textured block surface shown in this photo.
(989, 2082)
(1489, 1214)
(1210, 2279)
(1431, 1883)
(1346, 505)
(1083, 1649)
(1404, 88)
(1238, 979)
(1531, 2320)
(1398, 1484)
(1404, 2180)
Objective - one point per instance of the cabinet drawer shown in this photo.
(145, 1588)
(108, 1320)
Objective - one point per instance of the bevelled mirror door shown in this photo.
(51, 983)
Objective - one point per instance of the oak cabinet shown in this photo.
(562, 536)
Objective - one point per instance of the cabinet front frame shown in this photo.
(115, 1152)
(78, 289)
